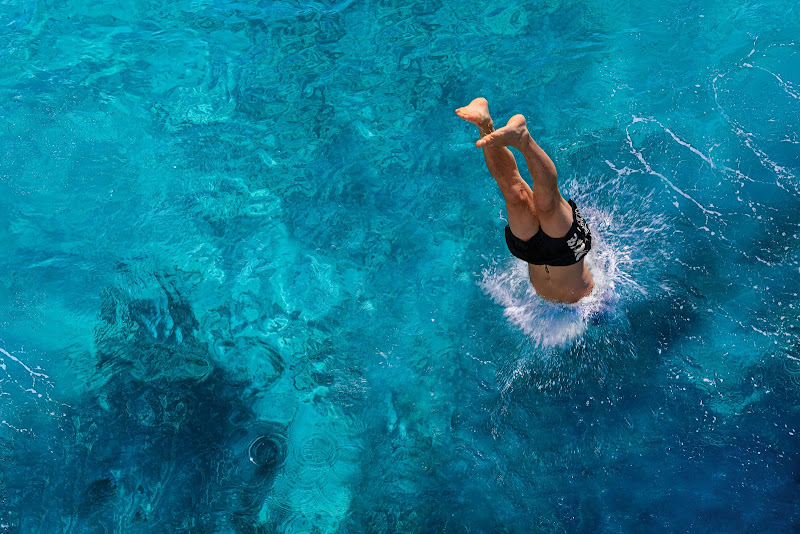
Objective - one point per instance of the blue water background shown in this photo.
(253, 278)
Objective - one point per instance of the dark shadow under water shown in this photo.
(162, 440)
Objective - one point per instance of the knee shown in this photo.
(518, 196)
(544, 204)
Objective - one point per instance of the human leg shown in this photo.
(500, 161)
(553, 212)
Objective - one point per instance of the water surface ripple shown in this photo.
(253, 275)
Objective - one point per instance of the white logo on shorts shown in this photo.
(577, 246)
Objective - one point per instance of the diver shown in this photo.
(543, 229)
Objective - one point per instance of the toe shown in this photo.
(484, 141)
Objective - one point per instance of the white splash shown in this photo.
(616, 239)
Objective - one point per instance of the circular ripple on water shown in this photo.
(327, 521)
(317, 450)
(267, 452)
(304, 492)
(299, 490)
(298, 522)
(309, 486)
(256, 453)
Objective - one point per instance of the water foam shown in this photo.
(618, 236)
(22, 386)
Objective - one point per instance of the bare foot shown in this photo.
(477, 112)
(512, 134)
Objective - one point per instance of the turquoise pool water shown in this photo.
(253, 276)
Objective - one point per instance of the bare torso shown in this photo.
(562, 284)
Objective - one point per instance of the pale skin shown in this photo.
(530, 209)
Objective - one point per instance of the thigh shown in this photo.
(558, 221)
(522, 220)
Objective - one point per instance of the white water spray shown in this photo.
(618, 238)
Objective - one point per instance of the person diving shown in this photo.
(543, 229)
